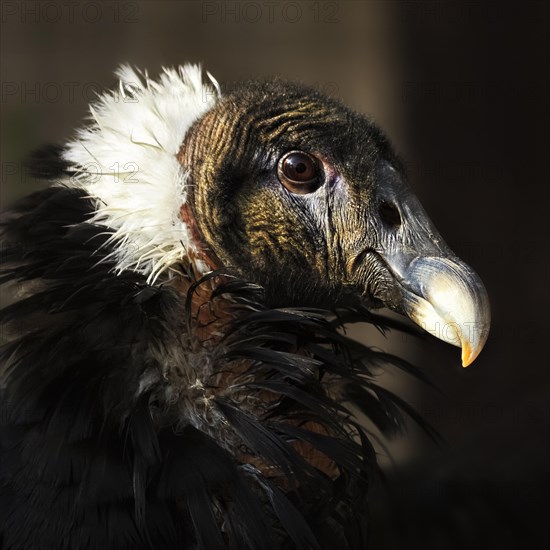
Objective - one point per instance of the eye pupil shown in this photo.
(299, 167)
(300, 172)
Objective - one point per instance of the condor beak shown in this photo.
(437, 290)
(447, 299)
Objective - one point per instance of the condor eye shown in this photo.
(300, 172)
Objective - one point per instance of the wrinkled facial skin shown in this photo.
(253, 223)
(361, 234)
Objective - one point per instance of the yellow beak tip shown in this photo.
(468, 355)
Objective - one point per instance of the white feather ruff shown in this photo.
(126, 161)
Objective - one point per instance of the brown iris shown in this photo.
(299, 172)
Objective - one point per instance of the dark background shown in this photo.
(460, 87)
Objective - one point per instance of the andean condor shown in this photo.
(174, 374)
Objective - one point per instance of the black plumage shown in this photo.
(87, 460)
(214, 402)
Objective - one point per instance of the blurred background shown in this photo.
(461, 88)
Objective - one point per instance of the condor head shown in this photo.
(306, 197)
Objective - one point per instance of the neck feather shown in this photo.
(125, 160)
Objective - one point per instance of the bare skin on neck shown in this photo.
(210, 320)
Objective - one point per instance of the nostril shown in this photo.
(390, 214)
